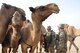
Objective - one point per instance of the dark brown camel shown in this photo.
(31, 33)
(6, 13)
(13, 33)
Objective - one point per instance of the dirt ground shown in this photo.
(73, 50)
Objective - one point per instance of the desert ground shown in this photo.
(73, 50)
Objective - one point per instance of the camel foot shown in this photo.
(40, 52)
(77, 50)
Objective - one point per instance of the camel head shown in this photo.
(41, 13)
(8, 10)
(17, 19)
(66, 27)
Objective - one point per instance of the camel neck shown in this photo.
(36, 26)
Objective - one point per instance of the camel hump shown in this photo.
(27, 24)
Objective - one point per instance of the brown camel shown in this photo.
(6, 13)
(13, 33)
(31, 33)
(72, 33)
(17, 23)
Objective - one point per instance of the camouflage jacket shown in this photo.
(50, 36)
(62, 39)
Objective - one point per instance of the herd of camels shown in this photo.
(15, 29)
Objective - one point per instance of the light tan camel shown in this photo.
(72, 33)
(31, 33)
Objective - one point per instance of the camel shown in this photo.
(43, 30)
(16, 33)
(31, 33)
(27, 28)
(6, 13)
(13, 33)
(17, 23)
(72, 33)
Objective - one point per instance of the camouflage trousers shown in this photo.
(64, 50)
(52, 47)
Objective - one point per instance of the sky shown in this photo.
(69, 11)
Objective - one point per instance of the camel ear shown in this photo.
(6, 5)
(32, 9)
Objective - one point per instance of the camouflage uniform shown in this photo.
(62, 42)
(49, 40)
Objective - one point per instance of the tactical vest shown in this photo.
(50, 36)
(62, 39)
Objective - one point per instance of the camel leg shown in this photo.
(70, 47)
(4, 49)
(37, 49)
(72, 42)
(75, 47)
(33, 48)
(9, 49)
(41, 46)
(24, 48)
(15, 49)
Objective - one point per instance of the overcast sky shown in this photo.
(69, 11)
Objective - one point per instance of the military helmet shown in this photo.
(61, 26)
(49, 27)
